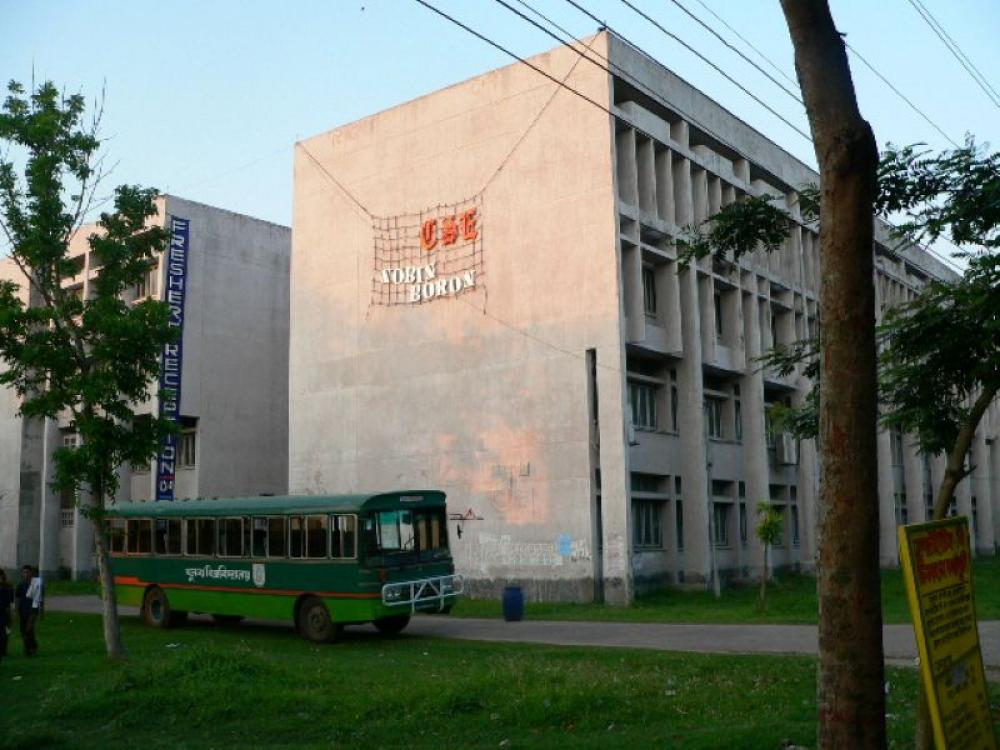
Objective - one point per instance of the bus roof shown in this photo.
(281, 504)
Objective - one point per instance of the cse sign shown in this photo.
(444, 260)
(937, 569)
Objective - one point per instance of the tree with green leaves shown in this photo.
(770, 523)
(92, 359)
(939, 368)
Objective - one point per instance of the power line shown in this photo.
(959, 50)
(725, 41)
(700, 56)
(857, 54)
(956, 52)
(747, 42)
(900, 94)
(498, 46)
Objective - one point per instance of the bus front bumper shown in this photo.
(425, 594)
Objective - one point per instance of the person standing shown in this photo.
(29, 608)
(6, 600)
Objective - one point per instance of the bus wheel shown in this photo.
(227, 619)
(156, 608)
(392, 625)
(314, 622)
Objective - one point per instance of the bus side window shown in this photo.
(259, 540)
(116, 532)
(277, 537)
(206, 537)
(296, 536)
(230, 537)
(173, 536)
(190, 536)
(160, 533)
(343, 536)
(317, 536)
(140, 536)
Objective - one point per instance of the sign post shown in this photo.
(937, 568)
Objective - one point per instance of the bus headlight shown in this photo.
(393, 594)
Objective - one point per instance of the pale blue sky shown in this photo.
(205, 99)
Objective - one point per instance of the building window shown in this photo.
(679, 521)
(146, 286)
(769, 428)
(642, 399)
(649, 290)
(646, 482)
(928, 487)
(737, 413)
(721, 518)
(896, 444)
(187, 449)
(975, 521)
(718, 315)
(795, 524)
(780, 540)
(674, 400)
(899, 507)
(744, 528)
(646, 530)
(713, 417)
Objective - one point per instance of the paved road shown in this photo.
(900, 647)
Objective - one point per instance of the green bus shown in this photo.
(321, 562)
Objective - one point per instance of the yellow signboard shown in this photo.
(937, 568)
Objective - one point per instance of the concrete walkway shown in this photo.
(899, 644)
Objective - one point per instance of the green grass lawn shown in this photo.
(792, 599)
(250, 687)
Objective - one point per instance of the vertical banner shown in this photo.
(175, 288)
(937, 568)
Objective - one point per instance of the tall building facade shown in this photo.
(487, 299)
(226, 279)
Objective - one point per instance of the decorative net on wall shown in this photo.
(430, 255)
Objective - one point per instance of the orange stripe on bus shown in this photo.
(133, 581)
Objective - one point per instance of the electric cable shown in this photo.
(956, 52)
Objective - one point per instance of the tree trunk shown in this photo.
(954, 473)
(851, 692)
(109, 599)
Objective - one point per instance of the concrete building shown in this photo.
(230, 296)
(486, 299)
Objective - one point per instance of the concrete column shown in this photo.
(697, 561)
(628, 178)
(980, 485)
(754, 440)
(913, 477)
(888, 552)
(994, 458)
(32, 483)
(50, 519)
(635, 315)
(82, 552)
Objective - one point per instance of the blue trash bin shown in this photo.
(513, 604)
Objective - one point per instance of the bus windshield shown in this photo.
(398, 536)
